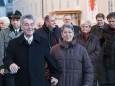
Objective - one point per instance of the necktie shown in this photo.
(16, 32)
(29, 41)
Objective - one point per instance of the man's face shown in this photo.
(15, 23)
(111, 22)
(100, 21)
(51, 22)
(28, 27)
(67, 19)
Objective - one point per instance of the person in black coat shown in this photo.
(109, 49)
(50, 31)
(27, 55)
(68, 19)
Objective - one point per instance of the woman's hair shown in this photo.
(85, 22)
(5, 20)
(68, 25)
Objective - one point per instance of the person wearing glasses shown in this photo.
(67, 18)
(27, 59)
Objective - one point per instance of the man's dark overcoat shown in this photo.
(31, 59)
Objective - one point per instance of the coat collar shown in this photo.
(69, 45)
(104, 26)
(36, 38)
(12, 34)
(12, 29)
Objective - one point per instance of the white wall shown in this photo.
(2, 11)
(34, 7)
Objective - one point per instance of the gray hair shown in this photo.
(85, 22)
(29, 16)
(5, 20)
(68, 25)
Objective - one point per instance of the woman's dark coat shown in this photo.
(75, 63)
(31, 59)
(92, 46)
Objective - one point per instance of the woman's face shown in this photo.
(67, 34)
(85, 28)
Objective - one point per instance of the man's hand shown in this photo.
(2, 71)
(14, 68)
(54, 81)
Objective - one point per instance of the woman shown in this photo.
(73, 59)
(91, 43)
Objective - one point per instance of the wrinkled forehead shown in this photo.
(67, 17)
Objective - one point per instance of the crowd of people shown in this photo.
(50, 55)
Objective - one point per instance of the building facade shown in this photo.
(2, 8)
(9, 7)
(79, 9)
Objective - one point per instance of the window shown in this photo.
(77, 2)
(10, 1)
(110, 6)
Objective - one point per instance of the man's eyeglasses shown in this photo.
(28, 25)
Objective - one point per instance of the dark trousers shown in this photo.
(9, 80)
(110, 77)
(1, 80)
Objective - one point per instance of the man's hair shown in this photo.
(111, 15)
(101, 15)
(47, 17)
(5, 20)
(68, 25)
(66, 15)
(29, 16)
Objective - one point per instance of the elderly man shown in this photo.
(27, 55)
(68, 19)
(50, 31)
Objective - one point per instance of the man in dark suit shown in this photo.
(15, 29)
(68, 19)
(27, 55)
(50, 31)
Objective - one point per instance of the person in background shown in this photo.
(40, 23)
(15, 29)
(109, 49)
(68, 19)
(4, 22)
(27, 55)
(1, 53)
(92, 45)
(73, 59)
(99, 27)
(50, 31)
(10, 33)
(98, 31)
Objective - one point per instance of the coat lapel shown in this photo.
(12, 34)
